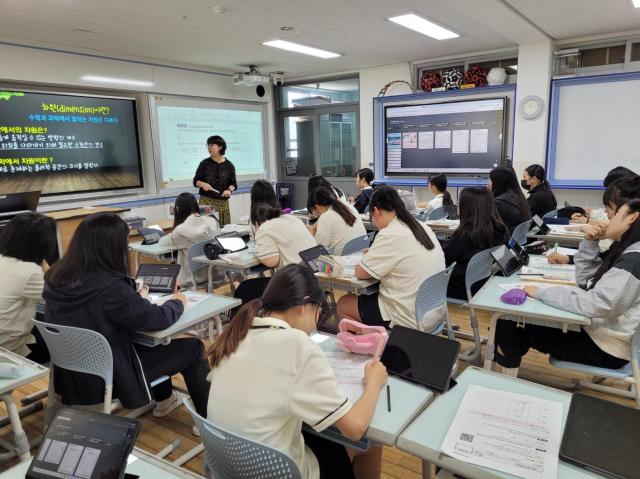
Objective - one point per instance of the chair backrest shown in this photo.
(197, 250)
(635, 362)
(230, 456)
(439, 213)
(520, 233)
(551, 214)
(479, 268)
(357, 244)
(422, 217)
(78, 349)
(432, 294)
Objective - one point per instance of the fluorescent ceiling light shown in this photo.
(296, 47)
(424, 26)
(636, 3)
(115, 81)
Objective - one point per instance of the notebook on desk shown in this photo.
(602, 436)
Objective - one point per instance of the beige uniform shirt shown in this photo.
(401, 264)
(276, 379)
(285, 236)
(333, 232)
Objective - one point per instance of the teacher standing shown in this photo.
(216, 178)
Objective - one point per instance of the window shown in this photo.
(320, 128)
(602, 56)
(635, 52)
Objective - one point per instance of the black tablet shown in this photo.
(420, 357)
(231, 243)
(507, 260)
(544, 229)
(310, 256)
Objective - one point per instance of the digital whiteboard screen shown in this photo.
(64, 144)
(183, 133)
(464, 137)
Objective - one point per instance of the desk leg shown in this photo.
(20, 438)
(210, 279)
(489, 349)
(232, 286)
(427, 470)
(136, 262)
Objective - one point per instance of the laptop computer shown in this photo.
(85, 444)
(13, 204)
(160, 278)
(310, 256)
(421, 358)
(602, 436)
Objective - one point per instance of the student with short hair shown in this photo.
(90, 288)
(268, 378)
(189, 228)
(262, 192)
(404, 254)
(511, 205)
(608, 293)
(337, 224)
(279, 240)
(438, 187)
(28, 245)
(541, 199)
(316, 181)
(480, 228)
(364, 180)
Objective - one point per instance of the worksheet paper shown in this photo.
(425, 140)
(479, 141)
(348, 369)
(561, 250)
(508, 432)
(542, 262)
(443, 139)
(460, 141)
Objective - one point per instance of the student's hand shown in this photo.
(351, 199)
(578, 218)
(206, 186)
(556, 258)
(375, 374)
(226, 194)
(588, 211)
(45, 266)
(595, 232)
(144, 291)
(532, 291)
(180, 297)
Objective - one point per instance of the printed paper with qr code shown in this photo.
(508, 432)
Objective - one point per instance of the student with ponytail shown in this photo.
(404, 254)
(337, 224)
(268, 377)
(438, 187)
(608, 293)
(541, 198)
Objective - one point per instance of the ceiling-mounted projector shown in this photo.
(251, 78)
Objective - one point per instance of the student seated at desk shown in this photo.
(541, 198)
(480, 228)
(316, 181)
(609, 294)
(28, 245)
(438, 187)
(90, 288)
(511, 205)
(189, 228)
(364, 179)
(337, 224)
(279, 240)
(404, 254)
(262, 192)
(268, 377)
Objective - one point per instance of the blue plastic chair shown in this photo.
(629, 373)
(196, 250)
(550, 214)
(521, 232)
(438, 214)
(230, 456)
(422, 217)
(357, 244)
(432, 294)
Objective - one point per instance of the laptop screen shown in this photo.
(420, 357)
(232, 243)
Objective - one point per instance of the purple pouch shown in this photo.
(286, 211)
(514, 296)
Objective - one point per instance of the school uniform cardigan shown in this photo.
(110, 306)
(541, 201)
(508, 207)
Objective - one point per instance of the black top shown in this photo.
(541, 201)
(460, 248)
(508, 207)
(110, 306)
(363, 199)
(219, 175)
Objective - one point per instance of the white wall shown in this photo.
(60, 70)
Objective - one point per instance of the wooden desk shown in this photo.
(67, 222)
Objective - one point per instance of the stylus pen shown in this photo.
(388, 398)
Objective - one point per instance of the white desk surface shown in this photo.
(201, 311)
(29, 372)
(152, 250)
(407, 400)
(244, 261)
(488, 299)
(354, 285)
(424, 437)
(141, 464)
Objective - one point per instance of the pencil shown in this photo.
(388, 398)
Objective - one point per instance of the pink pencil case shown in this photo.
(355, 337)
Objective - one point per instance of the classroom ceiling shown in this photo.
(191, 32)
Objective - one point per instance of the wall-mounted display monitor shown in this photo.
(66, 144)
(464, 137)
